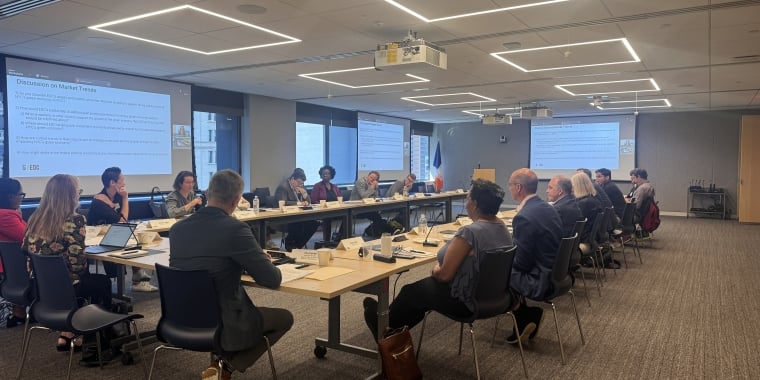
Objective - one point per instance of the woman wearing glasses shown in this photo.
(55, 228)
(12, 227)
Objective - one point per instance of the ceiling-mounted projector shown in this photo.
(538, 112)
(411, 54)
(496, 118)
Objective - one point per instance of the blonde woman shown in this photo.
(585, 197)
(55, 228)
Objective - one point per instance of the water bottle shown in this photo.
(255, 204)
(423, 224)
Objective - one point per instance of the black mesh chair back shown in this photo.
(493, 298)
(54, 301)
(190, 313)
(189, 309)
(56, 308)
(15, 286)
(575, 256)
(560, 279)
(261, 192)
(562, 284)
(609, 218)
(346, 194)
(627, 223)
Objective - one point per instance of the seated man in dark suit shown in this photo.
(601, 196)
(537, 234)
(213, 240)
(291, 191)
(560, 192)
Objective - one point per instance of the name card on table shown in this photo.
(332, 204)
(398, 197)
(161, 223)
(463, 221)
(352, 243)
(459, 191)
(305, 256)
(368, 200)
(291, 209)
(244, 214)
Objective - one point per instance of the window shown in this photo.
(310, 149)
(216, 144)
(420, 160)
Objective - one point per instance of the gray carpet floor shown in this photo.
(687, 312)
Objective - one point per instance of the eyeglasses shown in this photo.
(22, 195)
(81, 191)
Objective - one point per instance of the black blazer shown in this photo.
(212, 240)
(569, 213)
(537, 233)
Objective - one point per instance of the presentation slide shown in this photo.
(77, 121)
(383, 145)
(560, 146)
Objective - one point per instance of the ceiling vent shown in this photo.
(11, 8)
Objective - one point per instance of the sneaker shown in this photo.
(370, 315)
(140, 275)
(537, 316)
(143, 286)
(526, 322)
(212, 371)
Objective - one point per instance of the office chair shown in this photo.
(590, 250)
(15, 287)
(562, 284)
(492, 299)
(575, 256)
(56, 308)
(627, 233)
(190, 314)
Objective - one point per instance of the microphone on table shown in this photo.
(426, 243)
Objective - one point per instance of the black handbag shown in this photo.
(158, 205)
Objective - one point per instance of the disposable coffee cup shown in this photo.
(322, 203)
(323, 255)
(340, 200)
(281, 204)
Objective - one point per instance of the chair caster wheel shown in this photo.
(320, 351)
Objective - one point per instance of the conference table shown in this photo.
(366, 276)
(346, 211)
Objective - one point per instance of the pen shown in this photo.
(302, 266)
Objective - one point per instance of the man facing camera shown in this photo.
(560, 192)
(213, 240)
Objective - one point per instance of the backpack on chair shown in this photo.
(651, 218)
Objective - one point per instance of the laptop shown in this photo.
(115, 238)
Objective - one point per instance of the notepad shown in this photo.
(325, 273)
(290, 273)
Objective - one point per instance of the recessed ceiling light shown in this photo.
(598, 91)
(251, 9)
(313, 76)
(102, 28)
(464, 95)
(624, 41)
(634, 104)
(482, 111)
(423, 18)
